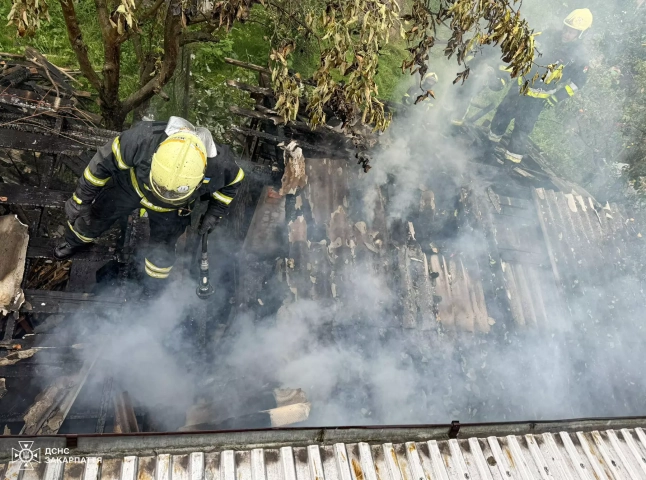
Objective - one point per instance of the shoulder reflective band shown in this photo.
(239, 177)
(77, 199)
(80, 237)
(154, 271)
(223, 198)
(571, 88)
(116, 150)
(144, 201)
(535, 94)
(96, 181)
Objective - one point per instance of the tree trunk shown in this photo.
(113, 110)
(147, 67)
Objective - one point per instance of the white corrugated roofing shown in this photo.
(595, 455)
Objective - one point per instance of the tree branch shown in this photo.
(78, 45)
(172, 29)
(205, 35)
(293, 17)
(195, 37)
(151, 11)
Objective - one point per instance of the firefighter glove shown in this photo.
(74, 209)
(209, 222)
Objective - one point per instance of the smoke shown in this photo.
(350, 354)
(359, 367)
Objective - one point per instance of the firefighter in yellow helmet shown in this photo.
(427, 83)
(162, 167)
(563, 49)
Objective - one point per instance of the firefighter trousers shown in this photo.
(116, 201)
(525, 111)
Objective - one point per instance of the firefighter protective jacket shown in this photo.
(572, 56)
(126, 160)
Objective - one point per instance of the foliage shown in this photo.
(288, 85)
(26, 16)
(472, 25)
(354, 32)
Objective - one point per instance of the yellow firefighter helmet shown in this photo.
(177, 168)
(429, 80)
(580, 19)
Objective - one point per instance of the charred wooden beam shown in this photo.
(77, 130)
(39, 142)
(22, 99)
(15, 75)
(32, 196)
(49, 301)
(52, 71)
(9, 328)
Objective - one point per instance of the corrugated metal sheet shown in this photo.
(596, 455)
(518, 257)
(591, 250)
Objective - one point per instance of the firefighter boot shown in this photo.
(64, 250)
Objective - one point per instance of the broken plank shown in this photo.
(32, 196)
(49, 301)
(56, 74)
(12, 55)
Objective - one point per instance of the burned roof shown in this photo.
(443, 284)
